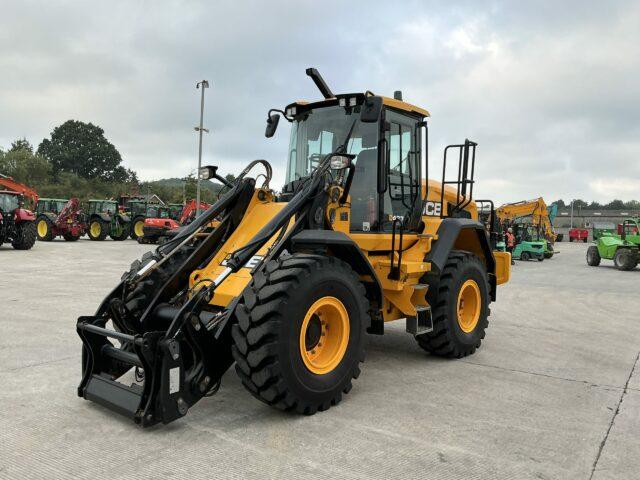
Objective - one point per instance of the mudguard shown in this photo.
(24, 215)
(342, 247)
(448, 233)
(50, 216)
(102, 216)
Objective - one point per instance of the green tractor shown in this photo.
(139, 210)
(623, 249)
(105, 218)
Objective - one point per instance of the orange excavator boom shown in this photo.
(10, 184)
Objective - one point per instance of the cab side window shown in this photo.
(403, 178)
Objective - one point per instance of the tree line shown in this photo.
(612, 205)
(77, 160)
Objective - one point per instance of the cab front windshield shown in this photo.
(9, 202)
(321, 131)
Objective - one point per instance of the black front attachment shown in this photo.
(175, 376)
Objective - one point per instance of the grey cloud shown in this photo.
(548, 89)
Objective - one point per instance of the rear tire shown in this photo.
(25, 235)
(44, 229)
(98, 230)
(624, 259)
(137, 224)
(452, 335)
(283, 321)
(593, 256)
(584, 240)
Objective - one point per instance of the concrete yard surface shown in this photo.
(553, 393)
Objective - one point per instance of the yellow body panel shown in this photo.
(401, 296)
(503, 267)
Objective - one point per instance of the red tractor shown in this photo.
(156, 229)
(17, 224)
(67, 222)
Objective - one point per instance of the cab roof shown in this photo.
(387, 101)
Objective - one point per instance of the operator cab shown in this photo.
(388, 156)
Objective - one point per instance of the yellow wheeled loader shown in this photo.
(288, 285)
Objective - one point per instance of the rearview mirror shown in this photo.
(272, 125)
(371, 109)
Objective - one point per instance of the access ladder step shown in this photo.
(422, 323)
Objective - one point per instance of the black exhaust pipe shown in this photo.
(320, 83)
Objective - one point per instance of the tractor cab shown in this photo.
(175, 211)
(9, 201)
(108, 207)
(386, 155)
(50, 205)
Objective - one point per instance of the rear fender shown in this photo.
(100, 216)
(471, 236)
(24, 215)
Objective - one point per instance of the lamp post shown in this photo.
(571, 214)
(201, 85)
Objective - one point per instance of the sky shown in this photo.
(549, 90)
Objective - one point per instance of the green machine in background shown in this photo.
(623, 248)
(105, 218)
(603, 230)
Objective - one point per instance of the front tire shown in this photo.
(300, 334)
(25, 235)
(459, 300)
(525, 256)
(625, 259)
(593, 256)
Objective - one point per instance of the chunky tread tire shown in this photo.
(593, 256)
(447, 339)
(104, 230)
(625, 259)
(132, 230)
(49, 235)
(26, 234)
(269, 317)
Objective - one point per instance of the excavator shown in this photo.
(288, 286)
(532, 222)
(17, 224)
